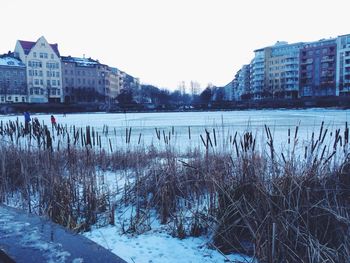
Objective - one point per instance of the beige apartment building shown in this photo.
(43, 70)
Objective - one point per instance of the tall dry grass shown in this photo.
(290, 206)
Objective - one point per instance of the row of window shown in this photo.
(52, 82)
(39, 64)
(52, 65)
(41, 91)
(7, 82)
(80, 72)
(9, 98)
(317, 51)
(43, 55)
(39, 73)
(12, 72)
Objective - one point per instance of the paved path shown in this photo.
(26, 238)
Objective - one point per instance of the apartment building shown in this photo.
(43, 70)
(243, 82)
(257, 74)
(282, 70)
(228, 91)
(318, 62)
(343, 65)
(13, 83)
(84, 80)
(115, 80)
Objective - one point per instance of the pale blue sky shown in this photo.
(164, 42)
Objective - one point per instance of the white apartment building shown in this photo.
(343, 65)
(257, 72)
(44, 74)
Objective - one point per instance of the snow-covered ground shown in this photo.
(156, 245)
(225, 123)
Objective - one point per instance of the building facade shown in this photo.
(243, 82)
(84, 80)
(13, 82)
(282, 70)
(257, 74)
(318, 62)
(115, 83)
(343, 65)
(43, 70)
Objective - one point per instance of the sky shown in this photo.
(165, 42)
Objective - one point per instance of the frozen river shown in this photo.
(226, 123)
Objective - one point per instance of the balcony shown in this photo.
(327, 59)
(306, 61)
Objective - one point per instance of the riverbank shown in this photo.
(304, 103)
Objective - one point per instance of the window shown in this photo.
(58, 82)
(36, 82)
(53, 82)
(48, 82)
(57, 74)
(41, 82)
(40, 73)
(23, 99)
(41, 55)
(16, 99)
(34, 54)
(51, 56)
(45, 55)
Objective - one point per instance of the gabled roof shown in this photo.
(28, 45)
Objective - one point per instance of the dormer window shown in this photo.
(43, 44)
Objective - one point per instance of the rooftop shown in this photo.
(9, 61)
(28, 45)
(84, 62)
